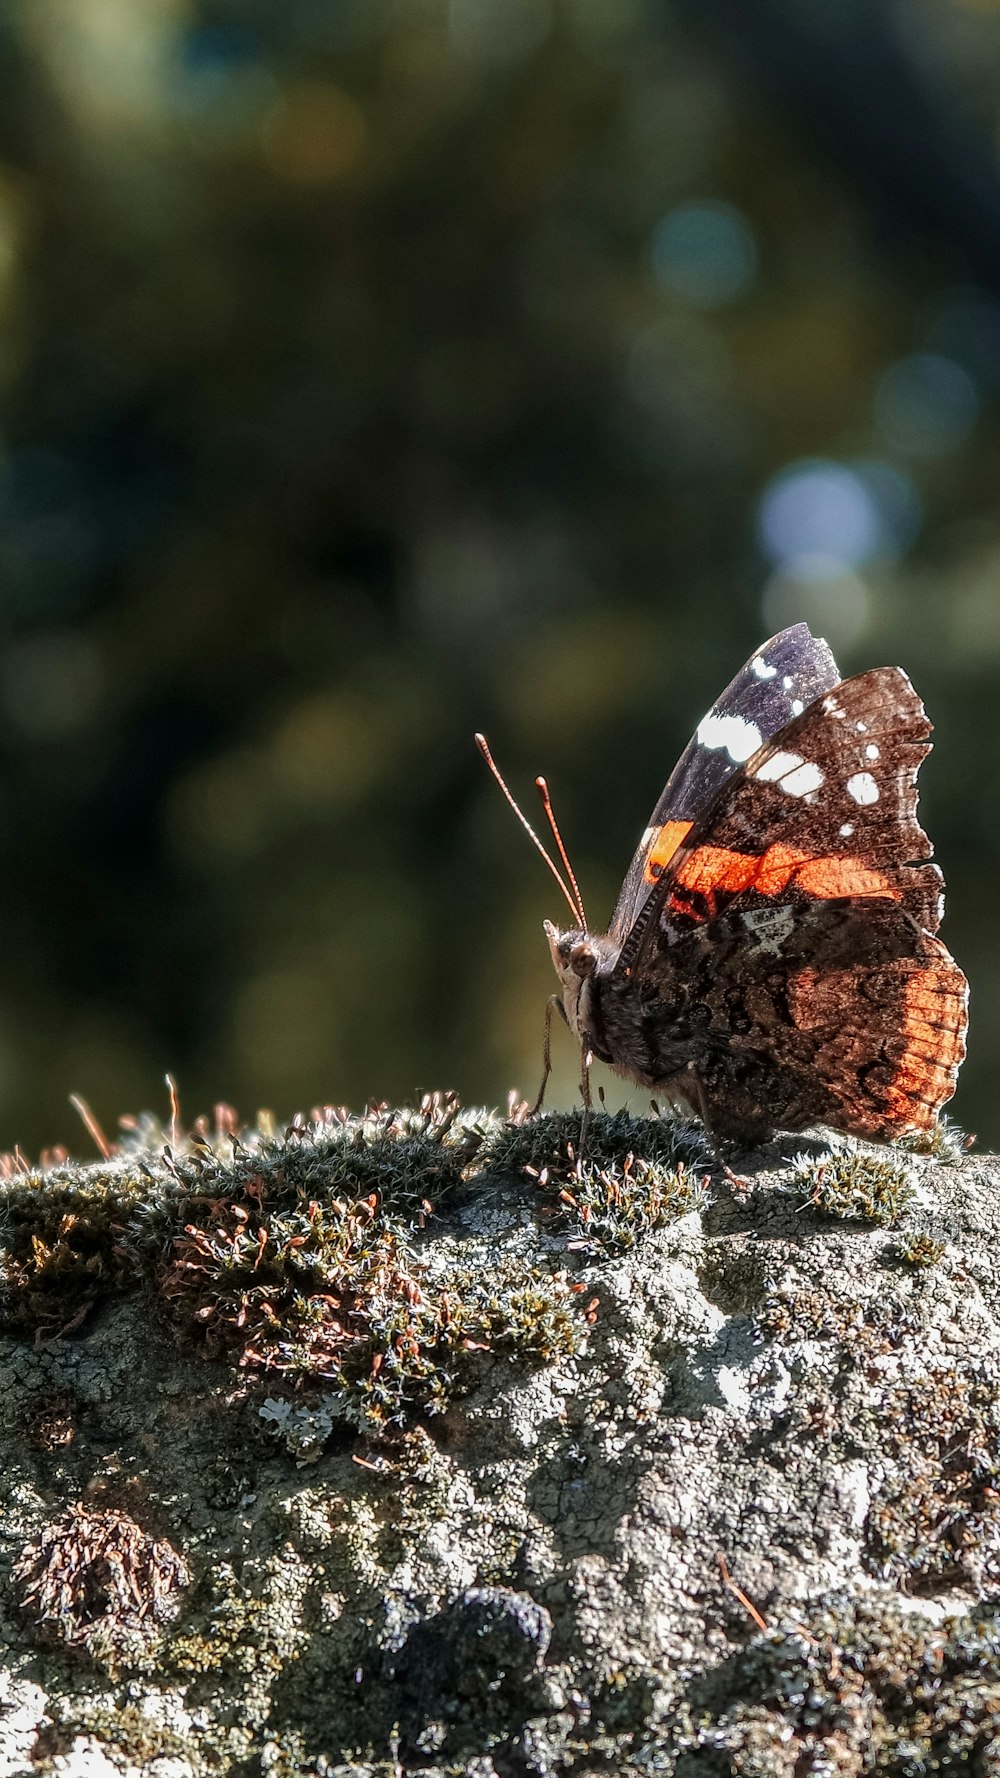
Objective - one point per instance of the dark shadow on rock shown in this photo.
(462, 1682)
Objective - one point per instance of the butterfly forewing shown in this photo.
(827, 809)
(784, 676)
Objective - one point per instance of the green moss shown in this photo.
(332, 1297)
(939, 1437)
(552, 1143)
(936, 1512)
(293, 1258)
(867, 1329)
(635, 1175)
(128, 1728)
(944, 1141)
(919, 1250)
(63, 1240)
(230, 1627)
(610, 1209)
(853, 1185)
(854, 1690)
(425, 1351)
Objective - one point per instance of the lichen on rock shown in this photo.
(410, 1443)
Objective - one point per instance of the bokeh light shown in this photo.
(926, 405)
(497, 32)
(822, 592)
(821, 510)
(704, 254)
(377, 371)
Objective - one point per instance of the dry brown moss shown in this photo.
(94, 1580)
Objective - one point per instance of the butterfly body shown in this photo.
(773, 960)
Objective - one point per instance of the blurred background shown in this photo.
(373, 371)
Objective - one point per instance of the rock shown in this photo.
(605, 1470)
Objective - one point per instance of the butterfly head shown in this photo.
(577, 956)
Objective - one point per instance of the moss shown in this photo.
(127, 1728)
(944, 1141)
(853, 1185)
(294, 1256)
(867, 1329)
(72, 1234)
(96, 1581)
(332, 1297)
(936, 1515)
(49, 1421)
(634, 1177)
(609, 1209)
(938, 1511)
(552, 1143)
(919, 1250)
(63, 1237)
(239, 1623)
(425, 1352)
(858, 1690)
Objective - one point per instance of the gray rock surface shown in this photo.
(207, 1569)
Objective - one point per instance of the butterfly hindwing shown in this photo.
(802, 1012)
(774, 686)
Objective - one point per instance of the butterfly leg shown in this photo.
(553, 1001)
(586, 1063)
(700, 1098)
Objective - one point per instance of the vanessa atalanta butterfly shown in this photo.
(772, 960)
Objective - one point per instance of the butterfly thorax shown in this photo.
(645, 1043)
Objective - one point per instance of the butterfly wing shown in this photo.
(790, 937)
(774, 686)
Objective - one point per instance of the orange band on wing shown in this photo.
(710, 869)
(665, 845)
(933, 1023)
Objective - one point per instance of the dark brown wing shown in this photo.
(831, 1012)
(797, 920)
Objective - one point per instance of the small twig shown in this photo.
(738, 1593)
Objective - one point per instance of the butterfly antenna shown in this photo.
(543, 791)
(575, 909)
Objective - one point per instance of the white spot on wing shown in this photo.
(777, 766)
(847, 830)
(797, 706)
(832, 708)
(738, 737)
(806, 778)
(795, 775)
(770, 927)
(863, 788)
(786, 682)
(761, 668)
(649, 836)
(871, 751)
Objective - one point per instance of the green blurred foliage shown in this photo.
(373, 371)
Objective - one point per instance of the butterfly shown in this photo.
(773, 961)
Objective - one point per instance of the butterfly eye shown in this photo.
(583, 960)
